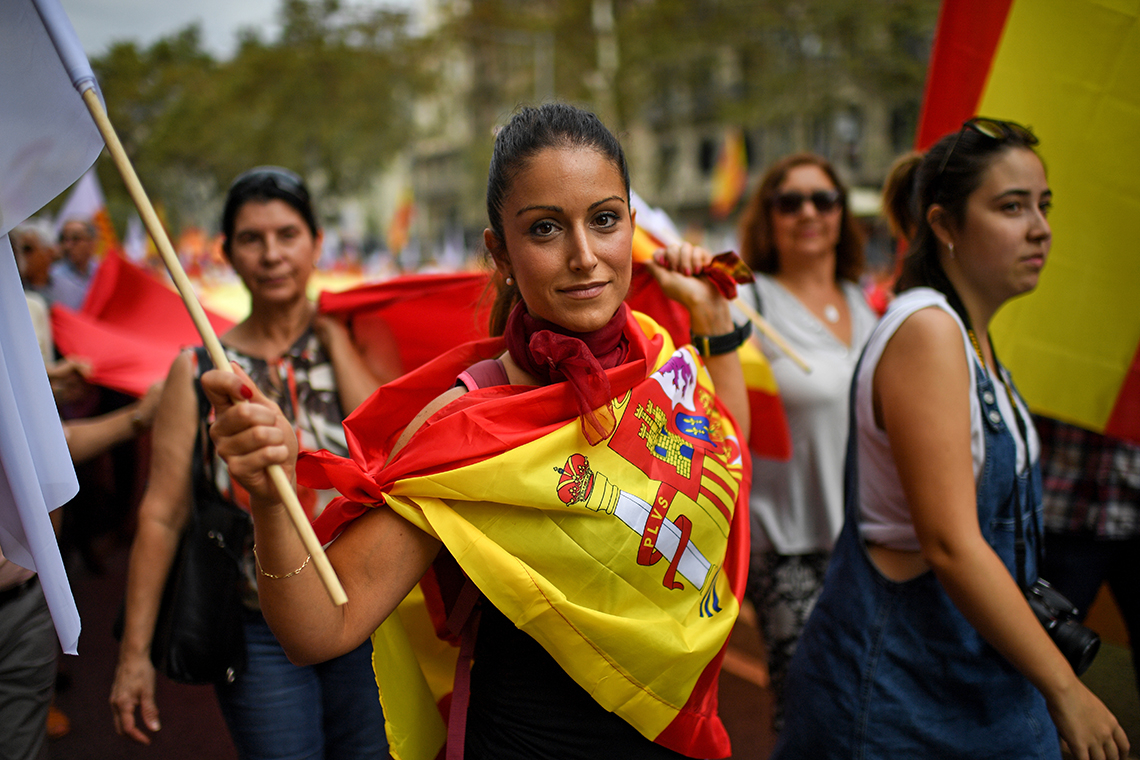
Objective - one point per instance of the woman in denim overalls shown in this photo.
(922, 643)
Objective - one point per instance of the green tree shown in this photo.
(144, 90)
(331, 99)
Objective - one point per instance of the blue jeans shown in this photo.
(278, 711)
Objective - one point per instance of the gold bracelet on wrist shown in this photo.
(261, 569)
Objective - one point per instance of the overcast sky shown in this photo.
(101, 22)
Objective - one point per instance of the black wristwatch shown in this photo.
(715, 345)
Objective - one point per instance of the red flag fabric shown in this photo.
(132, 326)
(646, 296)
(964, 44)
(424, 314)
(130, 329)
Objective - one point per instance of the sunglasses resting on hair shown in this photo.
(995, 129)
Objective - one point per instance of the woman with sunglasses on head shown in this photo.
(922, 643)
(798, 234)
(583, 472)
(309, 365)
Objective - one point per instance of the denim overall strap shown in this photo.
(888, 669)
(1012, 497)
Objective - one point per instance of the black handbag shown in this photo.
(198, 636)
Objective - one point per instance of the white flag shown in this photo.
(134, 242)
(47, 141)
(654, 221)
(84, 201)
(47, 137)
(36, 474)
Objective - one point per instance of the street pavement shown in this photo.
(192, 726)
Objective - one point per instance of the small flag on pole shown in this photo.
(730, 175)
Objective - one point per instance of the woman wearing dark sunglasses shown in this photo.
(309, 365)
(798, 235)
(922, 643)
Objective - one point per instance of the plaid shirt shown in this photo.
(1091, 482)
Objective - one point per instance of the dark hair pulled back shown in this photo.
(263, 184)
(530, 131)
(948, 174)
(898, 195)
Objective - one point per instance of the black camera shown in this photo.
(1078, 643)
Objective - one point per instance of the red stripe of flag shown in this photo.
(716, 499)
(1124, 421)
(965, 42)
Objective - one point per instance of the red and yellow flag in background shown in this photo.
(400, 229)
(730, 176)
(1070, 69)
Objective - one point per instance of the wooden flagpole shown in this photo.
(763, 326)
(206, 330)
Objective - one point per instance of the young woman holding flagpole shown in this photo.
(589, 479)
(922, 643)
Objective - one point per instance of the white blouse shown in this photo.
(797, 506)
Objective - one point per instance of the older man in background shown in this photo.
(72, 274)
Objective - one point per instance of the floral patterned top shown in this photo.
(303, 384)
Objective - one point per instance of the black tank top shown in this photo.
(523, 704)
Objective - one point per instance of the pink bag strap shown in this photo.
(463, 621)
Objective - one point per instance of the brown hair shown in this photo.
(898, 195)
(948, 174)
(757, 245)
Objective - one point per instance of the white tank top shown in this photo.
(884, 516)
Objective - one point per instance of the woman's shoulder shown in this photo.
(185, 365)
(930, 327)
(919, 321)
(178, 404)
(913, 301)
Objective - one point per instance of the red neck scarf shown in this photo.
(553, 354)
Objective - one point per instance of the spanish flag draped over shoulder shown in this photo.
(626, 560)
(1070, 69)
